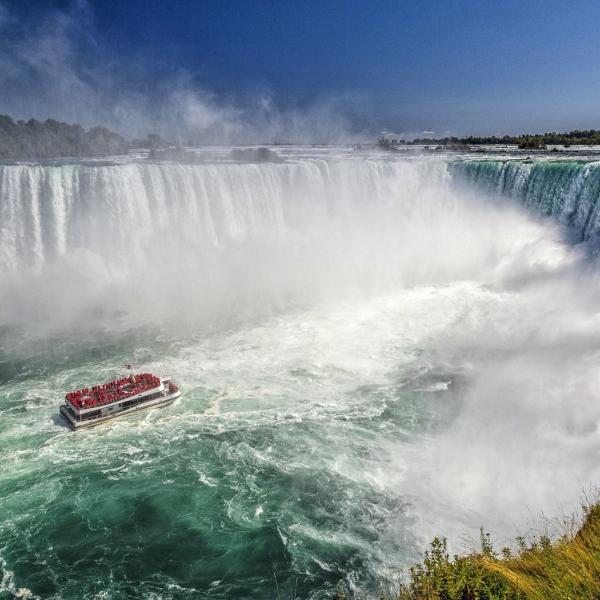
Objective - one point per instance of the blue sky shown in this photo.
(459, 66)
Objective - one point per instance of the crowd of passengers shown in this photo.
(119, 389)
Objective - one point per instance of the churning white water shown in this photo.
(380, 352)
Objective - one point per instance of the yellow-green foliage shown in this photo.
(568, 569)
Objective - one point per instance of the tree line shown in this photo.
(585, 137)
(35, 139)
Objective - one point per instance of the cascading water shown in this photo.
(215, 238)
(567, 190)
(371, 353)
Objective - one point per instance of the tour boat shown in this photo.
(90, 406)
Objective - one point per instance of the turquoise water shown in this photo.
(368, 357)
(567, 190)
(266, 473)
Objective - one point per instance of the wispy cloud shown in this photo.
(60, 66)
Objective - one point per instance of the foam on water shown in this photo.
(369, 356)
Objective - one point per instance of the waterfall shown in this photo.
(49, 211)
(566, 190)
(164, 239)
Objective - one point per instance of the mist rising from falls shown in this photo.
(199, 241)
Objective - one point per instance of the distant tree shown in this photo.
(35, 139)
(528, 141)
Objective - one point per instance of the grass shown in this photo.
(567, 568)
(564, 569)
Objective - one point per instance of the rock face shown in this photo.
(176, 154)
(240, 155)
(53, 139)
(261, 154)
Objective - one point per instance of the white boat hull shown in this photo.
(160, 402)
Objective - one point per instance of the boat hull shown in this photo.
(155, 403)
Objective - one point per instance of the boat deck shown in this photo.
(89, 407)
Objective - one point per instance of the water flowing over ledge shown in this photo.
(47, 210)
(239, 235)
(250, 236)
(566, 190)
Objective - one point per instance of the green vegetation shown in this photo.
(53, 139)
(529, 141)
(566, 569)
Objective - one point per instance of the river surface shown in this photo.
(373, 349)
